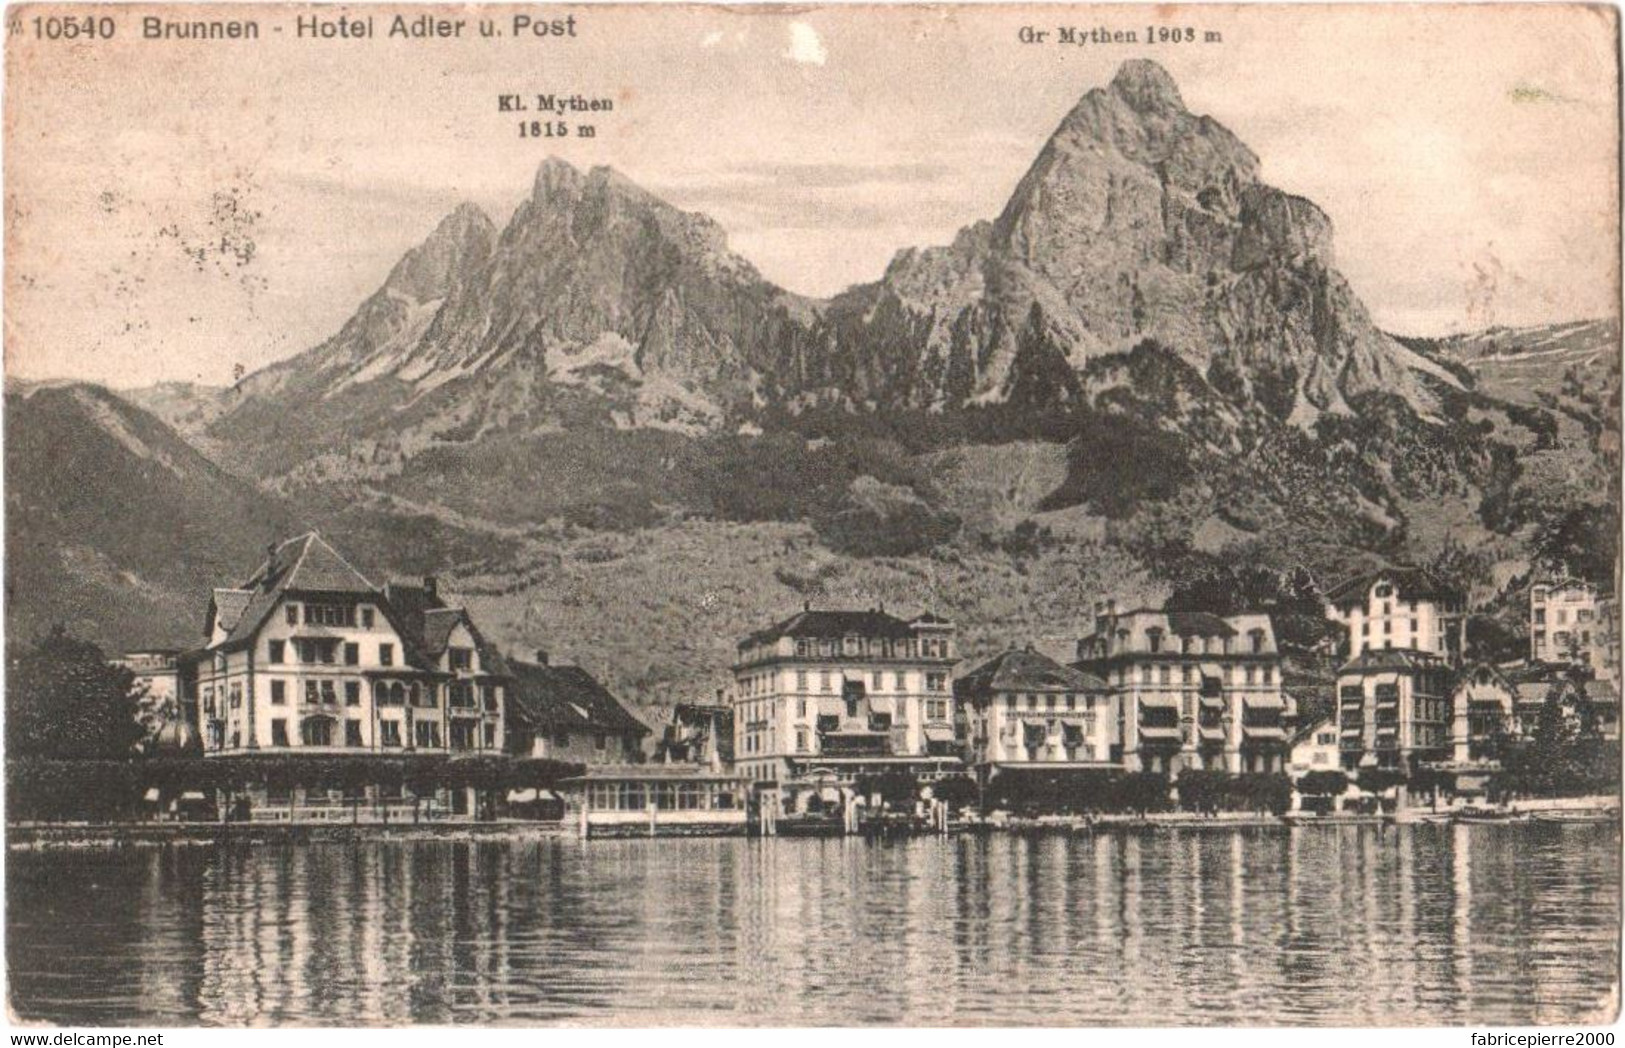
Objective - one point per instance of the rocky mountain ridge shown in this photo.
(600, 304)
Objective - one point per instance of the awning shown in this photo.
(151, 794)
(193, 795)
(1161, 702)
(939, 734)
(1212, 733)
(1160, 733)
(527, 796)
(1213, 702)
(1266, 702)
(1213, 669)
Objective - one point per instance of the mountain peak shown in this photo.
(461, 240)
(554, 177)
(1147, 87)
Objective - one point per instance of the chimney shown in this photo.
(541, 656)
(431, 585)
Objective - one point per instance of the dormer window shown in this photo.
(293, 614)
(1383, 591)
(462, 659)
(1153, 639)
(1257, 637)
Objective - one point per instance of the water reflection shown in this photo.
(1352, 925)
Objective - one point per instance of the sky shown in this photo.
(183, 210)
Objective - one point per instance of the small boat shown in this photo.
(1489, 815)
(1578, 816)
(1409, 816)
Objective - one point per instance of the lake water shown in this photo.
(1317, 925)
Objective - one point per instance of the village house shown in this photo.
(155, 670)
(1191, 689)
(1021, 709)
(1313, 747)
(563, 713)
(1570, 622)
(700, 734)
(308, 658)
(835, 695)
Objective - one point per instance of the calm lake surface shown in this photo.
(1318, 925)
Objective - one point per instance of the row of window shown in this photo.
(460, 695)
(1365, 627)
(665, 796)
(319, 731)
(1191, 645)
(1069, 701)
(1561, 618)
(765, 683)
(327, 651)
(324, 651)
(329, 615)
(1189, 675)
(882, 647)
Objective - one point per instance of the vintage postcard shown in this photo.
(761, 516)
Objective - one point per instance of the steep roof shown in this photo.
(1183, 623)
(304, 564)
(1199, 624)
(1378, 660)
(437, 626)
(1025, 670)
(226, 607)
(308, 563)
(1413, 583)
(836, 624)
(1309, 729)
(568, 697)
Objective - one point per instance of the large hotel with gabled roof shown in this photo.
(308, 656)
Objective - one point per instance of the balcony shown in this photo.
(861, 743)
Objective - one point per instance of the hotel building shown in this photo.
(1022, 709)
(1192, 689)
(1405, 637)
(844, 693)
(308, 657)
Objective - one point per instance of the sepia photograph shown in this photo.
(917, 515)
